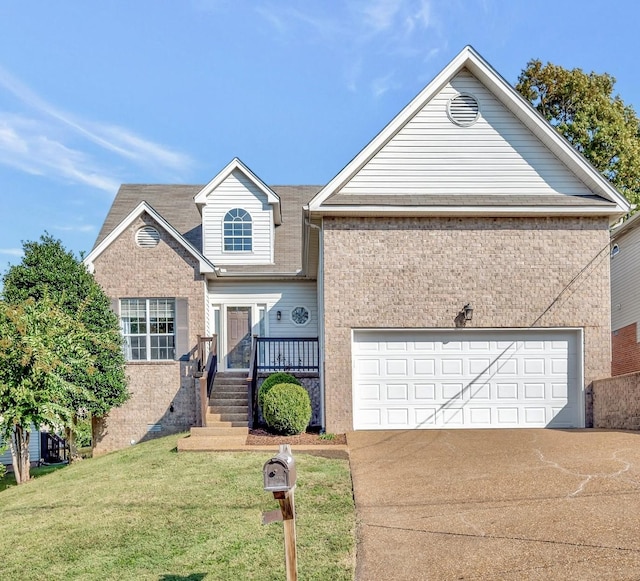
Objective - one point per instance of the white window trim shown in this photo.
(148, 334)
(234, 237)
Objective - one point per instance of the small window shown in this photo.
(615, 249)
(463, 109)
(300, 316)
(238, 231)
(147, 237)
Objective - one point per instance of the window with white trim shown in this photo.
(238, 231)
(148, 327)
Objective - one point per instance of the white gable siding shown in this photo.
(625, 281)
(496, 155)
(277, 296)
(237, 191)
(34, 449)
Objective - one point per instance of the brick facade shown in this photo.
(616, 402)
(419, 272)
(625, 350)
(167, 271)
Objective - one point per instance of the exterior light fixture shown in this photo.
(468, 312)
(279, 315)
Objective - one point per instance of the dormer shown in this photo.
(239, 215)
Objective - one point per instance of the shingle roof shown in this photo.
(546, 200)
(175, 204)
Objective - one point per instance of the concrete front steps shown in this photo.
(227, 416)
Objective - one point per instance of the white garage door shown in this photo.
(467, 379)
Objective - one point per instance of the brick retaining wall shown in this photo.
(616, 402)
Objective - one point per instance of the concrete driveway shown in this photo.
(497, 504)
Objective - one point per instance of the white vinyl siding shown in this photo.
(237, 191)
(495, 155)
(34, 449)
(625, 275)
(275, 296)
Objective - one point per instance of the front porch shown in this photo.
(229, 398)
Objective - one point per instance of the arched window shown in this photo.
(237, 231)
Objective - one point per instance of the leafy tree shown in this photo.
(597, 123)
(41, 347)
(48, 269)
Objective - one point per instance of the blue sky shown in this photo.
(95, 94)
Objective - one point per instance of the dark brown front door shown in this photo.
(238, 337)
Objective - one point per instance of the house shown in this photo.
(454, 274)
(34, 448)
(625, 307)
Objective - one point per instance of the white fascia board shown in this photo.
(235, 164)
(505, 93)
(534, 121)
(204, 264)
(467, 211)
(626, 226)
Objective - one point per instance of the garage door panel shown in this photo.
(425, 391)
(425, 417)
(424, 367)
(398, 391)
(451, 367)
(484, 379)
(479, 391)
(370, 391)
(480, 417)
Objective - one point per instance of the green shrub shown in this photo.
(287, 408)
(274, 379)
(3, 471)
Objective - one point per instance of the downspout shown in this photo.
(320, 298)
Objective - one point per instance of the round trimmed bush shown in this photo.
(274, 379)
(287, 408)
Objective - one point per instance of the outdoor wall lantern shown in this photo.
(279, 315)
(468, 312)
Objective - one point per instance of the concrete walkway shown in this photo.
(497, 504)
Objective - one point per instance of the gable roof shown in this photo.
(605, 199)
(142, 208)
(236, 165)
(175, 204)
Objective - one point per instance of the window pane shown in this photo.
(162, 347)
(135, 348)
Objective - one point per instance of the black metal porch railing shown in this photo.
(279, 354)
(285, 354)
(53, 448)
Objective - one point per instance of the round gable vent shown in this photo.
(147, 237)
(463, 109)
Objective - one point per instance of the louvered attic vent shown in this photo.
(147, 237)
(463, 109)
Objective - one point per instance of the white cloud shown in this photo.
(84, 228)
(25, 144)
(12, 252)
(53, 142)
(380, 14)
(369, 36)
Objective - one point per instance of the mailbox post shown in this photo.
(280, 478)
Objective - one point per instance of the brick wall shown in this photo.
(126, 271)
(616, 402)
(625, 350)
(419, 272)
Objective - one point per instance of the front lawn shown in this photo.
(149, 513)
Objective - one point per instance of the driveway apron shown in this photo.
(497, 504)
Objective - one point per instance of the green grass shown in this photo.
(149, 513)
(9, 479)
